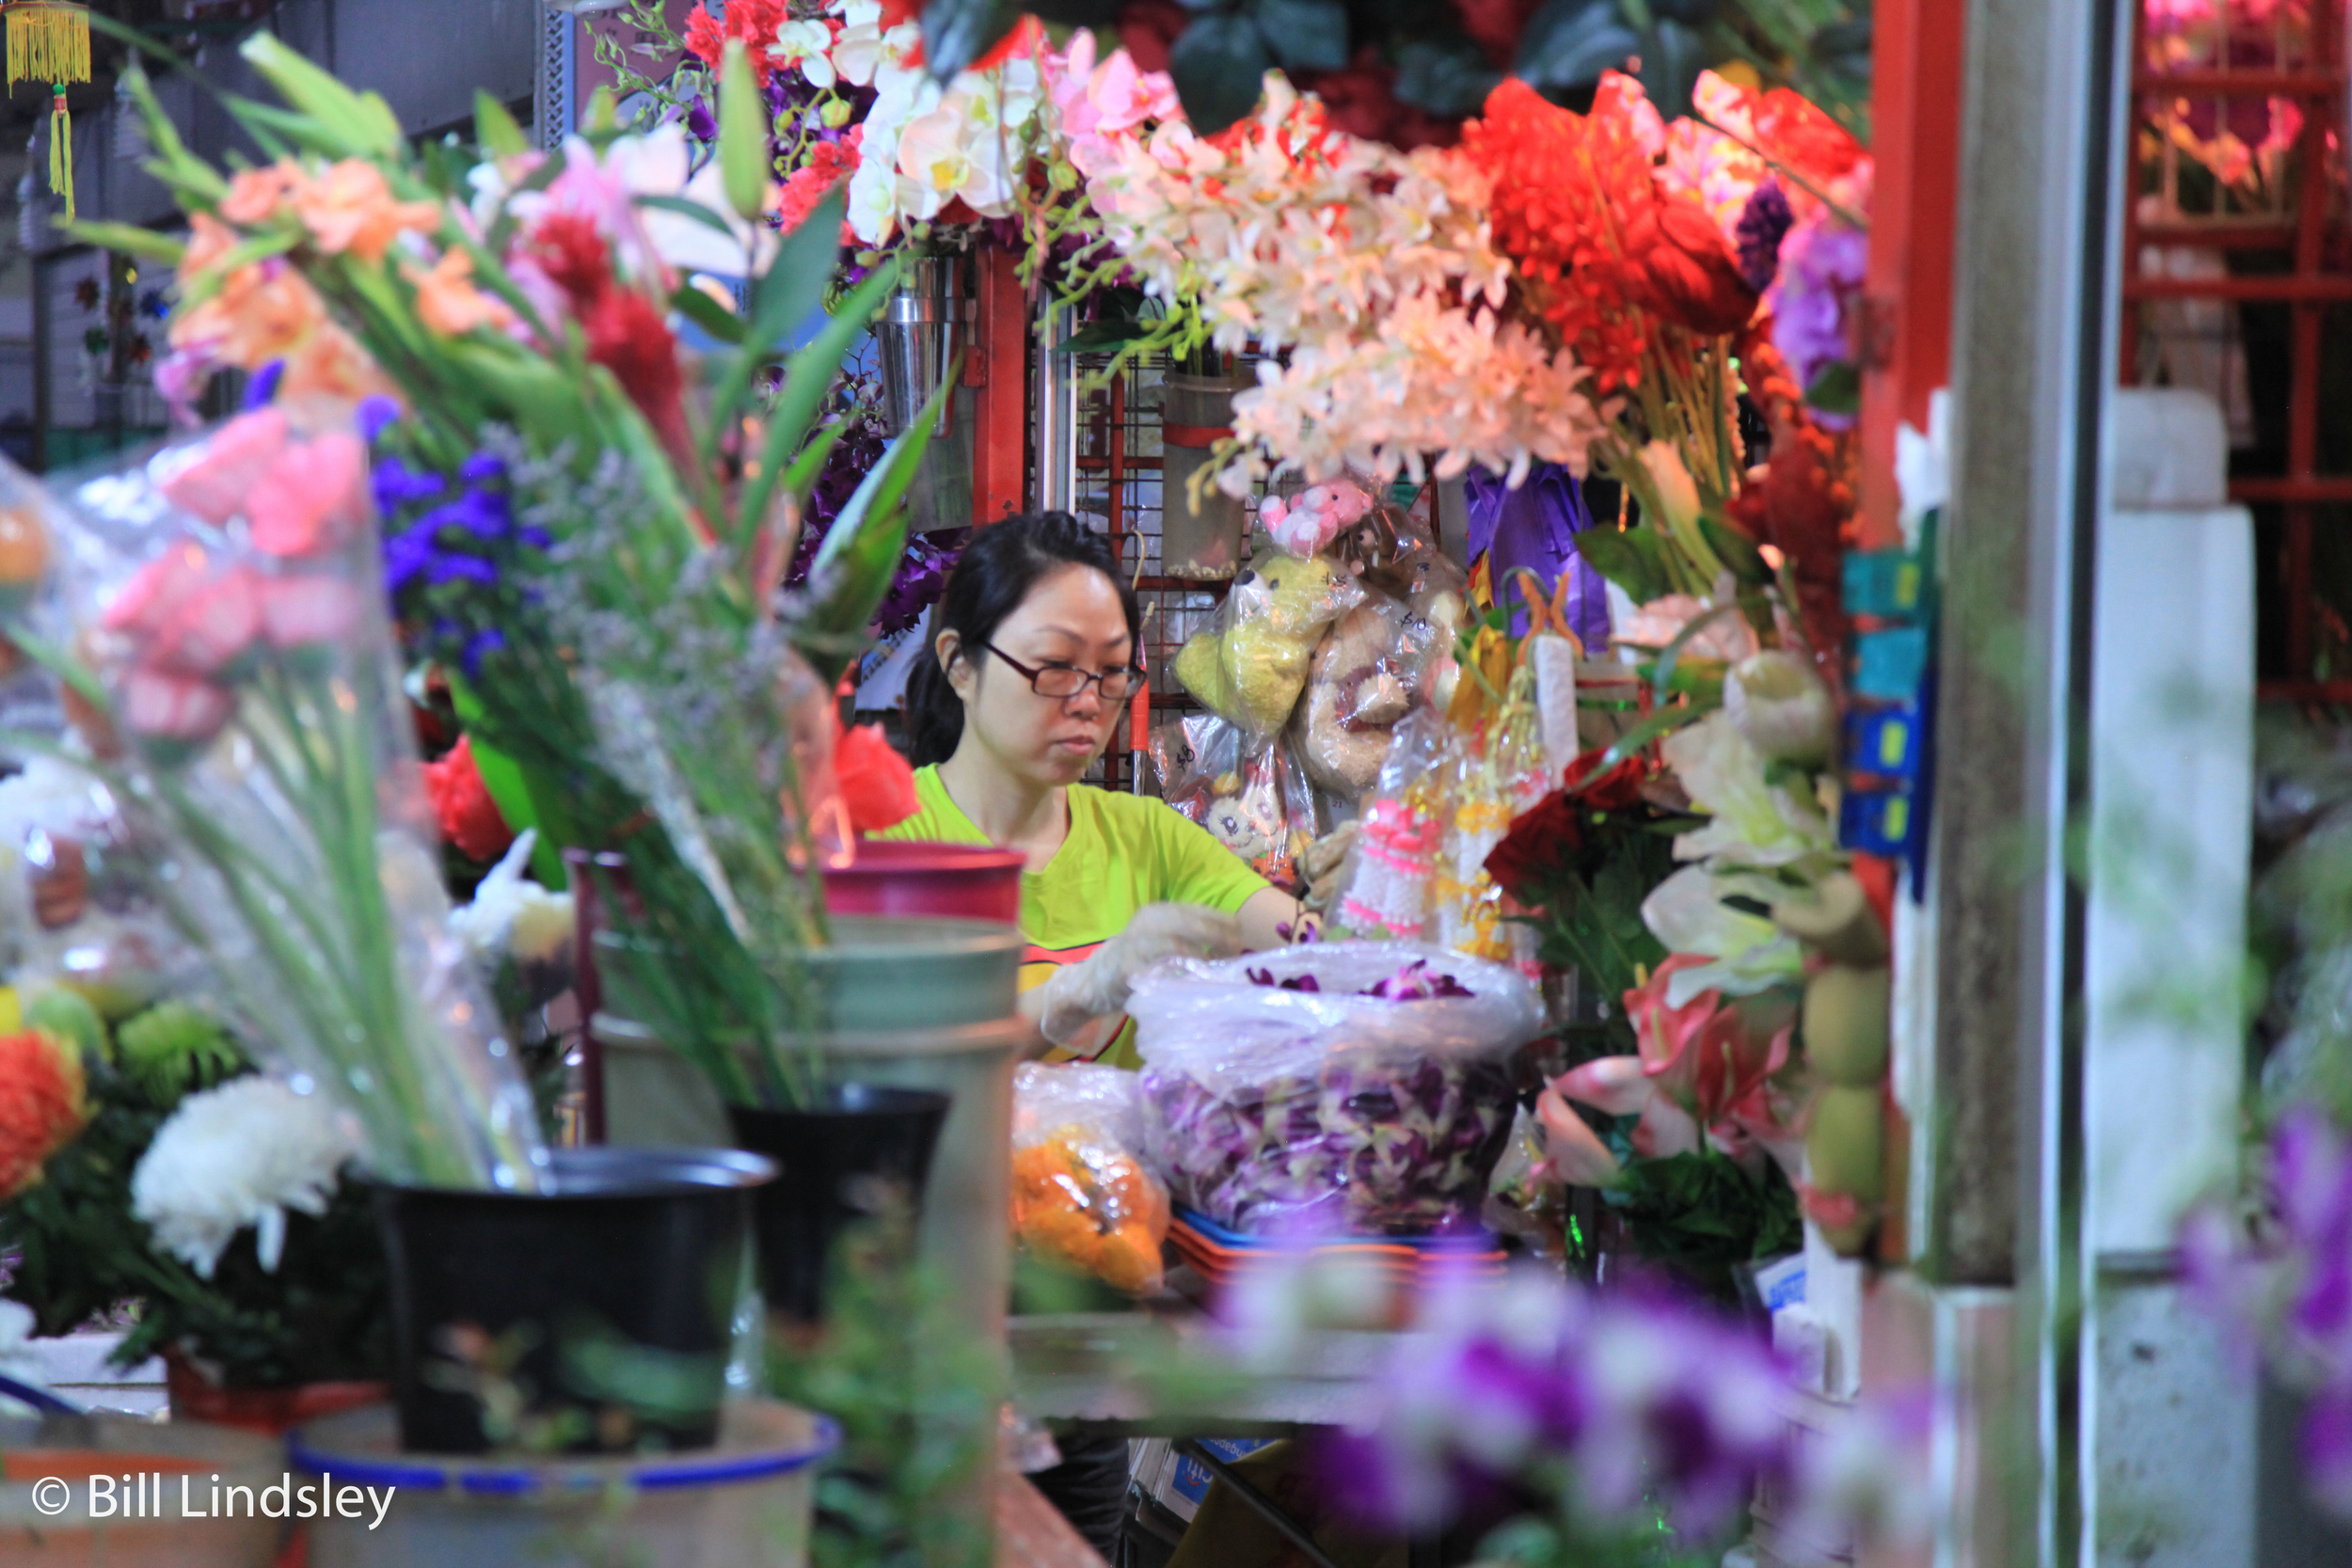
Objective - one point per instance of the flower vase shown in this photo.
(598, 1316)
(921, 332)
(1200, 537)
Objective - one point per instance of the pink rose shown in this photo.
(157, 589)
(312, 496)
(214, 486)
(162, 705)
(207, 631)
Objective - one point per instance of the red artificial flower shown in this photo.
(1616, 789)
(877, 783)
(1541, 840)
(1689, 276)
(751, 22)
(1567, 188)
(462, 807)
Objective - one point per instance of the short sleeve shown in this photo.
(1195, 867)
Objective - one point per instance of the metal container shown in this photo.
(922, 329)
(1197, 539)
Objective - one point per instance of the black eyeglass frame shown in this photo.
(1085, 677)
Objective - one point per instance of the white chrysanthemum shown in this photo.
(237, 1155)
(511, 914)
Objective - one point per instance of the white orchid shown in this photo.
(511, 914)
(863, 51)
(805, 46)
(661, 163)
(239, 1155)
(1754, 822)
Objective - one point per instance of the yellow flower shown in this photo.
(351, 208)
(447, 299)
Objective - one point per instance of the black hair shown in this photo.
(999, 566)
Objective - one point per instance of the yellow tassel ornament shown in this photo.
(48, 41)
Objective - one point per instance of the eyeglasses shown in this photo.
(1062, 682)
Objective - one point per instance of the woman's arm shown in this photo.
(1265, 917)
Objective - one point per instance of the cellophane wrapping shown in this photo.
(1274, 1109)
(215, 610)
(1082, 1196)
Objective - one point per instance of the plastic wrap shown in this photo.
(1081, 1194)
(1252, 665)
(218, 614)
(1252, 796)
(1268, 1106)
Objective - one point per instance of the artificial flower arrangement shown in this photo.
(587, 527)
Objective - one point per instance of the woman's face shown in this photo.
(1074, 617)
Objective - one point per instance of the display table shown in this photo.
(1097, 1369)
(1030, 1534)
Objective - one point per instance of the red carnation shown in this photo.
(749, 23)
(877, 784)
(462, 806)
(1617, 789)
(1687, 274)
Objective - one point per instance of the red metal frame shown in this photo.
(1915, 136)
(2310, 288)
(997, 368)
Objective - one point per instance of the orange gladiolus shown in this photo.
(448, 302)
(261, 312)
(43, 1105)
(331, 363)
(351, 208)
(256, 193)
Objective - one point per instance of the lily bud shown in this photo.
(1781, 708)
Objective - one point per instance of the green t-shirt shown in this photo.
(1123, 851)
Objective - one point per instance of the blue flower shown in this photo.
(397, 485)
(263, 386)
(481, 468)
(480, 646)
(406, 555)
(375, 411)
(483, 514)
(449, 566)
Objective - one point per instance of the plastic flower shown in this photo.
(42, 1104)
(239, 1155)
(1754, 823)
(462, 806)
(350, 207)
(512, 914)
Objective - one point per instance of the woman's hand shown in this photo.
(1099, 986)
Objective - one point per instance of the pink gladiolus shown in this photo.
(306, 611)
(165, 707)
(310, 500)
(208, 630)
(216, 486)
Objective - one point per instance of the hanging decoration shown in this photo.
(48, 41)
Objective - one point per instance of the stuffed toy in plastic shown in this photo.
(1253, 666)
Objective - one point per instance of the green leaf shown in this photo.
(855, 566)
(1446, 76)
(1103, 335)
(795, 283)
(1835, 388)
(687, 207)
(1568, 43)
(1306, 35)
(1735, 549)
(742, 135)
(707, 313)
(1220, 65)
(1673, 56)
(129, 239)
(1661, 724)
(359, 122)
(495, 129)
(1629, 558)
(805, 382)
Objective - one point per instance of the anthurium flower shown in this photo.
(42, 1104)
(312, 496)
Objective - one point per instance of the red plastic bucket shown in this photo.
(955, 882)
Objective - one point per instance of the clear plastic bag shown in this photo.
(1252, 665)
(1268, 1106)
(1081, 1194)
(1253, 798)
(218, 609)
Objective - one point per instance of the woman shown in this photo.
(1036, 641)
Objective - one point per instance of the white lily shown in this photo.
(1754, 822)
(1747, 953)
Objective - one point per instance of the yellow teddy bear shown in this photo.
(1253, 665)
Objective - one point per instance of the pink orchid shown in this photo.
(305, 612)
(312, 496)
(214, 486)
(166, 706)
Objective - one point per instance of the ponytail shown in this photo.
(1000, 564)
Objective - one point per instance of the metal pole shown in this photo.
(1057, 413)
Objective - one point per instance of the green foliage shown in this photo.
(1588, 909)
(1699, 1215)
(319, 1317)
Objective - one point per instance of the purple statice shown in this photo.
(1822, 270)
(2277, 1271)
(1763, 223)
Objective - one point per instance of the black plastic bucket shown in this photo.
(863, 1151)
(593, 1318)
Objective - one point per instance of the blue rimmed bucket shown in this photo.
(748, 1499)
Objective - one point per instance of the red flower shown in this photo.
(627, 335)
(1615, 790)
(42, 1104)
(1539, 843)
(831, 164)
(1027, 35)
(876, 782)
(1688, 274)
(574, 256)
(752, 22)
(462, 807)
(1796, 131)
